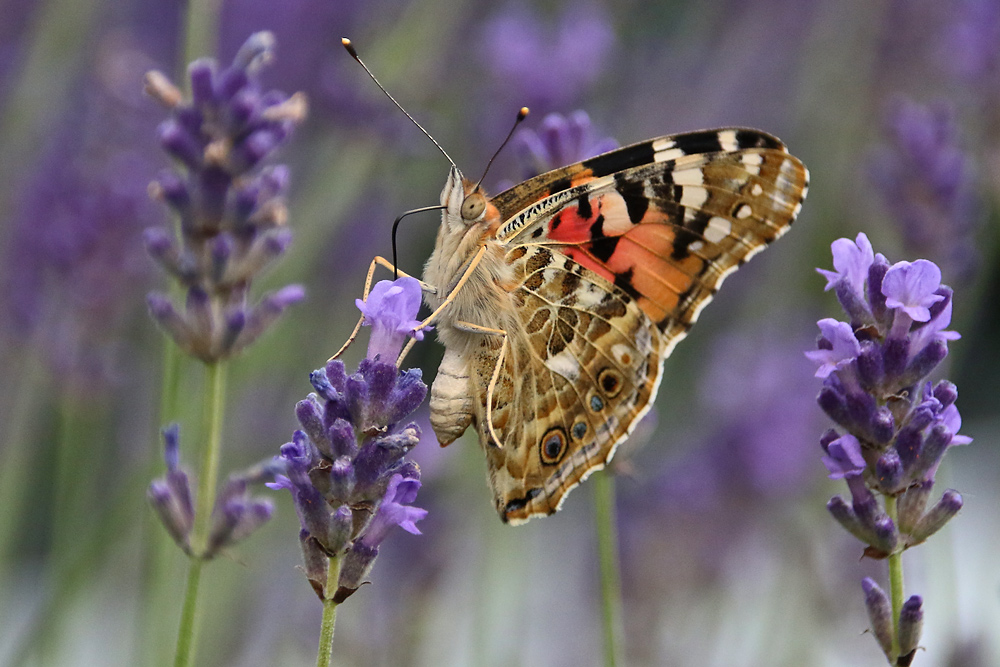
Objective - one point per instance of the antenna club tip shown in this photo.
(349, 46)
(523, 113)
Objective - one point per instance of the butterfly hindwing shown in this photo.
(577, 376)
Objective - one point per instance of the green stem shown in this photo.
(895, 578)
(185, 637)
(201, 29)
(607, 549)
(325, 653)
(207, 482)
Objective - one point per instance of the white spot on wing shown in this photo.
(564, 364)
(688, 177)
(693, 196)
(717, 229)
(727, 139)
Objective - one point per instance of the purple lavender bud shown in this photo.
(869, 365)
(341, 479)
(198, 311)
(267, 312)
(876, 273)
(174, 191)
(911, 505)
(265, 248)
(883, 425)
(252, 150)
(320, 382)
(933, 449)
(895, 353)
(845, 516)
(946, 392)
(229, 82)
(275, 180)
(924, 362)
(861, 408)
(852, 303)
(221, 249)
(171, 445)
(889, 471)
(235, 323)
(862, 501)
(343, 441)
(161, 247)
(886, 536)
(879, 615)
(911, 620)
(356, 394)
(201, 72)
(937, 516)
(355, 569)
(242, 107)
(163, 312)
(407, 395)
(310, 415)
(256, 51)
(336, 374)
(315, 562)
(381, 379)
(909, 440)
(174, 519)
(341, 525)
(834, 404)
(179, 143)
(213, 188)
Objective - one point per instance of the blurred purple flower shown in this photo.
(971, 44)
(837, 347)
(230, 206)
(346, 468)
(560, 141)
(236, 513)
(547, 66)
(926, 181)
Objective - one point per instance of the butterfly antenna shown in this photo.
(354, 54)
(521, 115)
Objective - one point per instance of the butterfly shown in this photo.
(559, 299)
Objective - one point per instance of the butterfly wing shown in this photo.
(615, 258)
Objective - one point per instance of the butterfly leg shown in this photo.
(475, 328)
(378, 261)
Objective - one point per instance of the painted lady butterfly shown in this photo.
(558, 300)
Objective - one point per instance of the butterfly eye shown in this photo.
(553, 446)
(473, 206)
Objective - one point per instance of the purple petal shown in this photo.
(844, 457)
(911, 287)
(846, 347)
(851, 259)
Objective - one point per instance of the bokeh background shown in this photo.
(728, 554)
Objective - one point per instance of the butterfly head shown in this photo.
(465, 203)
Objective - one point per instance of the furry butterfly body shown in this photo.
(558, 300)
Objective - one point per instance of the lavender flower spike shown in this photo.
(894, 426)
(229, 205)
(347, 468)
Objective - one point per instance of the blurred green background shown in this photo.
(728, 554)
